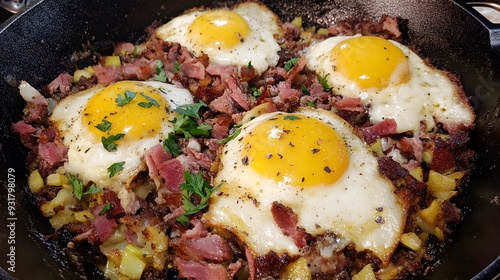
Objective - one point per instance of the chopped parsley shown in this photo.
(115, 168)
(177, 67)
(230, 137)
(135, 53)
(255, 92)
(77, 185)
(292, 118)
(170, 145)
(104, 126)
(309, 103)
(289, 64)
(160, 76)
(195, 185)
(324, 83)
(191, 110)
(190, 128)
(105, 209)
(304, 90)
(109, 142)
(249, 65)
(126, 98)
(152, 102)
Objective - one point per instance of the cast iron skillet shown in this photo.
(35, 43)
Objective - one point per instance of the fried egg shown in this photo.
(89, 120)
(314, 163)
(241, 36)
(391, 80)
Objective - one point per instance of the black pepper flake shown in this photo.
(244, 160)
(291, 145)
(268, 156)
(287, 131)
(315, 151)
(327, 169)
(379, 220)
(379, 209)
(280, 155)
(278, 174)
(303, 179)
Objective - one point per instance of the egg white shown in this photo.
(87, 157)
(260, 48)
(429, 96)
(349, 208)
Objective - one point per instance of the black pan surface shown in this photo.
(35, 44)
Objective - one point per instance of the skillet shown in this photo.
(36, 44)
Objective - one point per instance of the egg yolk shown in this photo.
(371, 62)
(134, 109)
(297, 150)
(218, 29)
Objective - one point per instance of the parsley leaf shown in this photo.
(255, 92)
(324, 83)
(249, 65)
(104, 126)
(126, 98)
(177, 67)
(189, 127)
(105, 209)
(152, 102)
(309, 103)
(304, 90)
(289, 64)
(109, 142)
(230, 137)
(135, 53)
(77, 185)
(292, 118)
(191, 110)
(160, 76)
(170, 145)
(195, 185)
(115, 168)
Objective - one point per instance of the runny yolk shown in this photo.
(218, 29)
(296, 150)
(371, 62)
(133, 118)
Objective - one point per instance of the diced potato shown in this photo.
(143, 190)
(446, 195)
(114, 252)
(63, 198)
(365, 274)
(112, 60)
(61, 218)
(83, 216)
(138, 49)
(388, 273)
(35, 181)
(111, 271)
(431, 213)
(427, 156)
(54, 179)
(131, 265)
(438, 182)
(417, 173)
(297, 270)
(297, 21)
(95, 199)
(86, 72)
(322, 31)
(411, 240)
(377, 147)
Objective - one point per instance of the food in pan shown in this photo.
(279, 151)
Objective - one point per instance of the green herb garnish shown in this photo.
(230, 137)
(255, 92)
(160, 76)
(304, 90)
(170, 145)
(191, 110)
(289, 64)
(291, 118)
(324, 83)
(104, 126)
(126, 98)
(77, 185)
(249, 65)
(115, 168)
(309, 103)
(109, 142)
(195, 185)
(151, 102)
(177, 67)
(105, 209)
